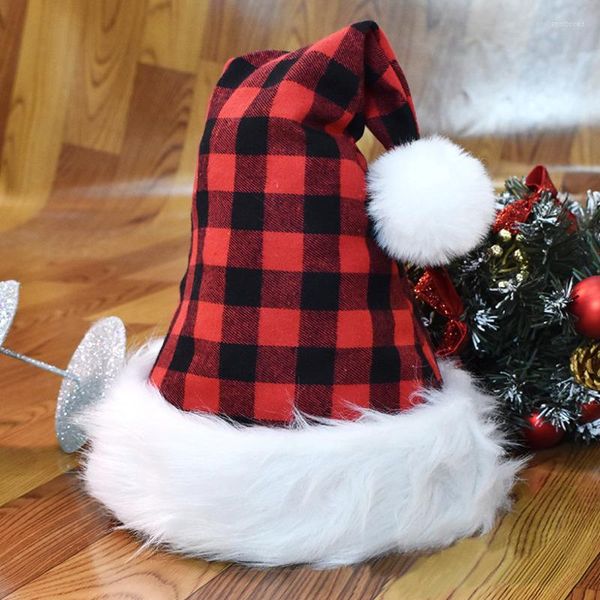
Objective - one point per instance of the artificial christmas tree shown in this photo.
(531, 318)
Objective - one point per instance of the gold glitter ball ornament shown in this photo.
(496, 250)
(505, 235)
(585, 365)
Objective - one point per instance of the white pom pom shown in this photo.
(430, 201)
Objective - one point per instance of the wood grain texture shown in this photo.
(34, 128)
(45, 527)
(588, 587)
(12, 17)
(115, 567)
(174, 32)
(106, 54)
(102, 104)
(349, 583)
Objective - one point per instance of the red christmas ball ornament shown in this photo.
(590, 412)
(540, 433)
(585, 306)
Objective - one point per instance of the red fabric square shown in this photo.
(201, 393)
(279, 327)
(354, 254)
(354, 329)
(282, 251)
(292, 101)
(220, 172)
(216, 246)
(352, 180)
(285, 174)
(274, 401)
(346, 398)
(158, 375)
(237, 104)
(209, 321)
(404, 327)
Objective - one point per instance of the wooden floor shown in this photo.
(101, 109)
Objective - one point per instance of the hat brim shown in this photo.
(327, 493)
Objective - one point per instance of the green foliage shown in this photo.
(516, 291)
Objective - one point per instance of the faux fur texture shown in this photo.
(430, 201)
(327, 494)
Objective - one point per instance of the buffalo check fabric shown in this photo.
(288, 304)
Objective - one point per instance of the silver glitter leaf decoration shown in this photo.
(97, 361)
(9, 300)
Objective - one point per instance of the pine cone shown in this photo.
(585, 365)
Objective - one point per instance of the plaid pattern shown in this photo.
(287, 301)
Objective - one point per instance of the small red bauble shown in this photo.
(541, 434)
(590, 412)
(585, 306)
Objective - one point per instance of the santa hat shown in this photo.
(296, 412)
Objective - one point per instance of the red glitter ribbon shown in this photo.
(436, 289)
(538, 181)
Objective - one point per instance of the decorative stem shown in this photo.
(38, 363)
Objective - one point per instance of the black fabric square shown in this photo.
(378, 291)
(315, 366)
(401, 125)
(279, 72)
(320, 291)
(242, 286)
(371, 76)
(338, 84)
(320, 143)
(183, 355)
(252, 136)
(248, 211)
(237, 362)
(385, 366)
(196, 284)
(236, 72)
(202, 207)
(365, 26)
(205, 141)
(321, 214)
(356, 127)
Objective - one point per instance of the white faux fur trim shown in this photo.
(430, 201)
(325, 494)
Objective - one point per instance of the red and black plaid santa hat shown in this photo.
(295, 411)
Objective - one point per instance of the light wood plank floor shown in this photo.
(101, 109)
